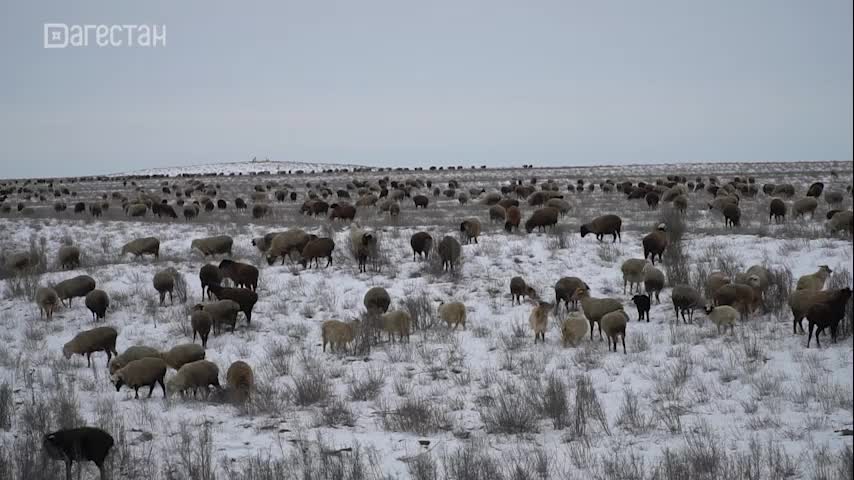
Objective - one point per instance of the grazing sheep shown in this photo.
(574, 329)
(244, 297)
(147, 371)
(68, 257)
(421, 243)
(680, 203)
(777, 210)
(201, 323)
(471, 228)
(194, 375)
(344, 211)
(376, 300)
(338, 334)
(723, 316)
(595, 308)
(78, 286)
(142, 246)
(828, 314)
(97, 302)
(614, 324)
(513, 217)
(137, 210)
(81, 444)
(20, 261)
(652, 199)
(317, 249)
(396, 321)
(642, 303)
(420, 201)
(732, 215)
(240, 380)
(519, 289)
(220, 244)
(744, 297)
(604, 225)
(565, 290)
(761, 273)
(784, 190)
(803, 206)
(715, 281)
(260, 210)
(135, 352)
(539, 321)
(541, 219)
(814, 281)
(89, 341)
(364, 245)
(833, 197)
(497, 214)
(182, 354)
(633, 273)
(453, 313)
(190, 211)
(242, 274)
(841, 222)
(449, 252)
(209, 275)
(164, 282)
(685, 299)
(223, 312)
(655, 243)
(563, 207)
(653, 282)
(47, 300)
(263, 243)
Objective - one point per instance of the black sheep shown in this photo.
(243, 296)
(828, 314)
(642, 302)
(81, 444)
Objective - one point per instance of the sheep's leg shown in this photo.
(811, 326)
(135, 392)
(591, 330)
(600, 330)
(623, 338)
(68, 469)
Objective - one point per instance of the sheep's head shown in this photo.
(531, 293)
(463, 227)
(117, 381)
(754, 281)
(66, 350)
(640, 299)
(271, 259)
(579, 293)
(824, 269)
(584, 231)
(708, 308)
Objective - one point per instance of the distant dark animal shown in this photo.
(642, 303)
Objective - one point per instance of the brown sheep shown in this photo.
(78, 286)
(604, 225)
(732, 215)
(344, 211)
(90, 341)
(421, 243)
(142, 246)
(284, 244)
(519, 289)
(655, 243)
(471, 228)
(449, 252)
(201, 322)
(243, 296)
(242, 274)
(377, 300)
(542, 219)
(513, 217)
(777, 210)
(164, 282)
(240, 380)
(68, 257)
(97, 302)
(47, 300)
(803, 206)
(497, 214)
(317, 249)
(565, 291)
(744, 297)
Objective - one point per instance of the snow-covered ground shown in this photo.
(476, 403)
(229, 168)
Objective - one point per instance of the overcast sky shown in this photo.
(419, 83)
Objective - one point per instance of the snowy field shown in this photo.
(685, 402)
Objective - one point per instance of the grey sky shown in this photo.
(420, 83)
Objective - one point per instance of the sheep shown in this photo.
(164, 282)
(633, 269)
(242, 274)
(194, 375)
(338, 334)
(317, 249)
(815, 189)
(421, 243)
(240, 380)
(364, 245)
(223, 312)
(828, 314)
(655, 243)
(260, 210)
(653, 282)
(732, 215)
(685, 299)
(201, 323)
(146, 371)
(449, 251)
(89, 341)
(497, 214)
(135, 352)
(814, 281)
(833, 197)
(137, 210)
(209, 275)
(565, 290)
(396, 321)
(263, 243)
(513, 217)
(614, 324)
(539, 321)
(220, 244)
(604, 225)
(574, 329)
(841, 222)
(78, 286)
(453, 313)
(680, 203)
(142, 246)
(344, 211)
(68, 257)
(541, 219)
(47, 300)
(722, 316)
(471, 228)
(595, 308)
(182, 354)
(81, 444)
(420, 201)
(744, 297)
(803, 206)
(715, 281)
(244, 297)
(642, 303)
(376, 300)
(97, 302)
(563, 207)
(519, 289)
(20, 261)
(761, 273)
(777, 210)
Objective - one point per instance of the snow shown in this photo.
(245, 168)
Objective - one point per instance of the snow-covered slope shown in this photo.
(240, 167)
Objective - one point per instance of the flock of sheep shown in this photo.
(729, 299)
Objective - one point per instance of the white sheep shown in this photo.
(453, 313)
(574, 328)
(723, 316)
